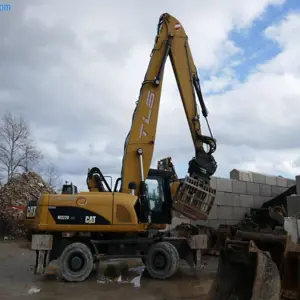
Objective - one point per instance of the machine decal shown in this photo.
(76, 216)
(30, 210)
(63, 217)
(30, 213)
(81, 201)
(177, 26)
(146, 120)
(90, 219)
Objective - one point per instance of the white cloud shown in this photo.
(262, 113)
(75, 72)
(286, 34)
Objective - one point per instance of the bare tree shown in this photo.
(51, 176)
(17, 150)
(31, 156)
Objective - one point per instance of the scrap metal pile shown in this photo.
(14, 196)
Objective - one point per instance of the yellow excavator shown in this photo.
(117, 223)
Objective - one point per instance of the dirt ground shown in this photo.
(18, 282)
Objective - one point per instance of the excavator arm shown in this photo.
(171, 41)
(96, 182)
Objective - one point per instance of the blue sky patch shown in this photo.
(257, 49)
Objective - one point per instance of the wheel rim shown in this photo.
(76, 261)
(159, 261)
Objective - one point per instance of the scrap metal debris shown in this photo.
(33, 290)
(14, 196)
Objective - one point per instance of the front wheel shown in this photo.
(162, 260)
(76, 262)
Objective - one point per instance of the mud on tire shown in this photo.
(76, 262)
(162, 260)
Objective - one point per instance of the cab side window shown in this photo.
(154, 192)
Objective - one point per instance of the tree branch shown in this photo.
(17, 149)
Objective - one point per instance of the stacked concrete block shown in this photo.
(241, 175)
(293, 205)
(243, 191)
(298, 184)
(261, 178)
(293, 201)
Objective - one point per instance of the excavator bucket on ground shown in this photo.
(285, 254)
(290, 271)
(245, 273)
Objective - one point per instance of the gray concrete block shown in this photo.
(219, 198)
(227, 199)
(232, 199)
(265, 190)
(277, 190)
(177, 221)
(246, 200)
(252, 188)
(224, 212)
(176, 214)
(271, 180)
(231, 222)
(280, 181)
(213, 213)
(290, 182)
(184, 219)
(293, 205)
(239, 187)
(240, 212)
(213, 182)
(224, 185)
(241, 175)
(258, 201)
(234, 174)
(201, 222)
(216, 223)
(258, 178)
(298, 184)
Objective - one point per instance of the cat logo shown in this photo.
(90, 219)
(30, 212)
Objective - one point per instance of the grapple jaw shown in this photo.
(245, 273)
(194, 198)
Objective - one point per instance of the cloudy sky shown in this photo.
(74, 69)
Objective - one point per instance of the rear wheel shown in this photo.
(162, 260)
(76, 262)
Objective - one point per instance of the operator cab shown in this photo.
(158, 196)
(69, 188)
(157, 202)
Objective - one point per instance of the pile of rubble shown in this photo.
(14, 196)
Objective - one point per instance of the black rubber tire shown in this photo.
(171, 257)
(29, 235)
(66, 273)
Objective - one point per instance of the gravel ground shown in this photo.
(18, 282)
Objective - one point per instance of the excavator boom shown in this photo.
(171, 41)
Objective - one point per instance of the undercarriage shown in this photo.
(78, 253)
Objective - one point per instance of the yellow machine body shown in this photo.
(110, 212)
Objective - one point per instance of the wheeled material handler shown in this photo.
(81, 229)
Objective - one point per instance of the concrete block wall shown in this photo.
(237, 194)
(293, 201)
